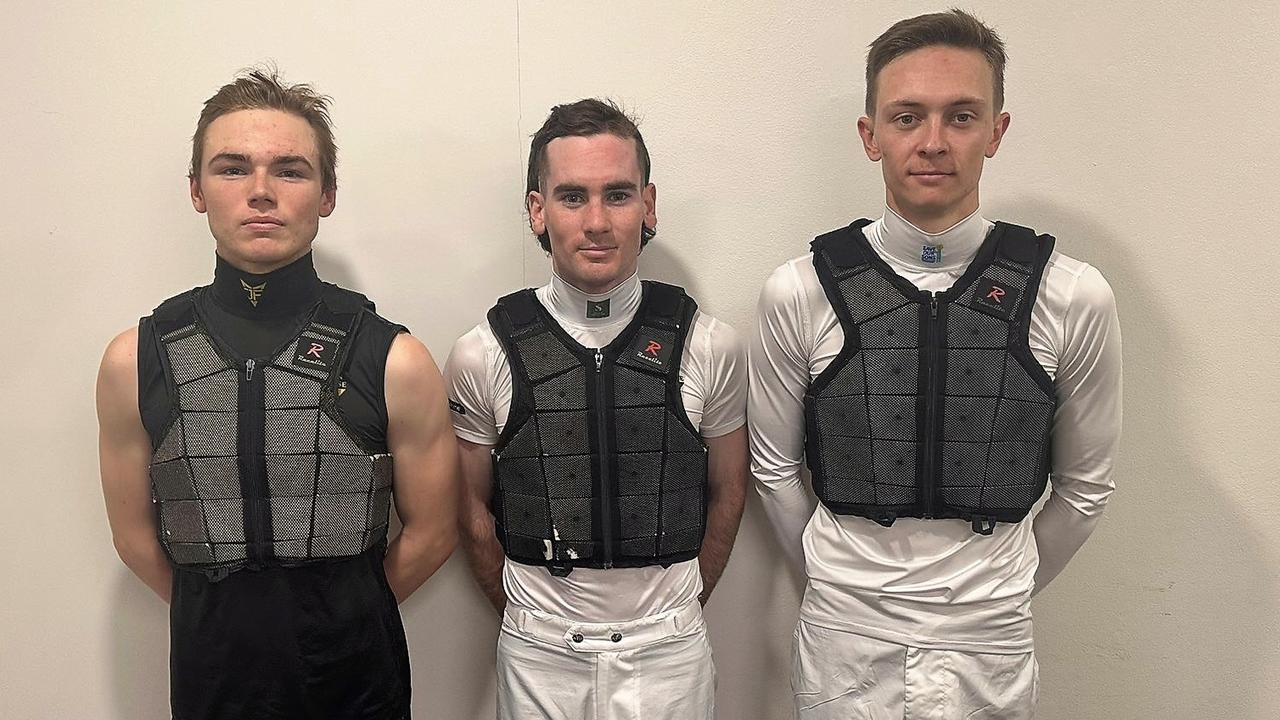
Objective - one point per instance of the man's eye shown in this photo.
(964, 117)
(905, 120)
(290, 174)
(572, 198)
(231, 171)
(619, 196)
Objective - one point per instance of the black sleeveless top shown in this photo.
(321, 640)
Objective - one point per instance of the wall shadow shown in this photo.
(1186, 558)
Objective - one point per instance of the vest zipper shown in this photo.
(602, 445)
(252, 473)
(931, 409)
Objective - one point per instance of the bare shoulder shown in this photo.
(120, 361)
(117, 390)
(410, 367)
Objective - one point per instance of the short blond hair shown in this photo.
(954, 28)
(262, 89)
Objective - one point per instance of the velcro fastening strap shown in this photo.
(521, 309)
(1019, 244)
(559, 570)
(174, 314)
(886, 519)
(983, 524)
(842, 246)
(664, 301)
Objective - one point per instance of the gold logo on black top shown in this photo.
(254, 291)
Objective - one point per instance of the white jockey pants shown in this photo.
(654, 668)
(838, 675)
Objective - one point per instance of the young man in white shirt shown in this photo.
(934, 370)
(602, 425)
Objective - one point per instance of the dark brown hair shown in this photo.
(579, 119)
(954, 28)
(262, 89)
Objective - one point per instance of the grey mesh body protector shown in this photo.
(935, 407)
(598, 465)
(256, 466)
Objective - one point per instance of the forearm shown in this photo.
(415, 555)
(1060, 531)
(724, 514)
(486, 558)
(146, 559)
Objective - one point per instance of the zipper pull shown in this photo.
(933, 305)
(248, 370)
(599, 359)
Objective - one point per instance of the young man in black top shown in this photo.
(253, 431)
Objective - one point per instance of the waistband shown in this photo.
(602, 637)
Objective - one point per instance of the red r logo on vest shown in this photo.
(653, 348)
(994, 298)
(315, 353)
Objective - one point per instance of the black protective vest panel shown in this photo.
(598, 465)
(255, 465)
(935, 407)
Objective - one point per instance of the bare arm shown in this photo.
(726, 490)
(479, 538)
(420, 438)
(124, 452)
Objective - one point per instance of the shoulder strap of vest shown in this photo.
(842, 245)
(667, 304)
(1030, 251)
(515, 315)
(342, 310)
(837, 251)
(1023, 245)
(175, 313)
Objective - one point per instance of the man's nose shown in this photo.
(597, 218)
(261, 192)
(935, 139)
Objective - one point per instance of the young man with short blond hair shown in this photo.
(253, 432)
(935, 370)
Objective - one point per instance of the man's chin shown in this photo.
(260, 252)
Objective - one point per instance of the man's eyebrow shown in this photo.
(290, 159)
(956, 102)
(620, 185)
(277, 160)
(229, 157)
(567, 187)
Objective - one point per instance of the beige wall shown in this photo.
(1144, 137)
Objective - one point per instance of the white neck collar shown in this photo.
(905, 244)
(571, 306)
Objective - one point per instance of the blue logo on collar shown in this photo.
(931, 254)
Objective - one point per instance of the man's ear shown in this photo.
(998, 129)
(328, 201)
(867, 131)
(197, 197)
(650, 195)
(537, 221)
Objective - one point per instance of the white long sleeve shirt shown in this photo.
(935, 583)
(713, 390)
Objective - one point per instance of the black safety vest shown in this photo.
(256, 465)
(935, 407)
(598, 465)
